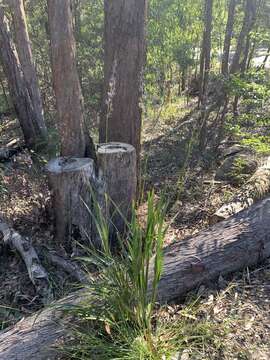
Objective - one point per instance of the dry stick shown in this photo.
(36, 271)
(68, 266)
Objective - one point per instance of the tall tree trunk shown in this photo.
(22, 102)
(123, 70)
(206, 49)
(228, 38)
(69, 100)
(248, 22)
(251, 54)
(23, 46)
(184, 80)
(205, 67)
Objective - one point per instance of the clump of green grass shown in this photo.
(119, 315)
(121, 319)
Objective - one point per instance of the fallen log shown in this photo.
(36, 337)
(36, 271)
(242, 240)
(253, 190)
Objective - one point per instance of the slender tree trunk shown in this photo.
(18, 89)
(251, 54)
(248, 22)
(179, 82)
(184, 80)
(23, 46)
(123, 70)
(202, 69)
(69, 101)
(207, 44)
(228, 38)
(244, 62)
(205, 68)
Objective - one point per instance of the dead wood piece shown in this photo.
(253, 190)
(242, 240)
(36, 337)
(68, 266)
(36, 271)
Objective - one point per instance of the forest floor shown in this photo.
(236, 309)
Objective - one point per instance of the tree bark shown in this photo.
(123, 71)
(117, 163)
(241, 241)
(74, 186)
(69, 101)
(18, 89)
(23, 46)
(228, 38)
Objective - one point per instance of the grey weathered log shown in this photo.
(253, 190)
(242, 240)
(231, 245)
(73, 181)
(36, 271)
(36, 337)
(117, 162)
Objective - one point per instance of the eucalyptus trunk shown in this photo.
(124, 40)
(248, 22)
(28, 117)
(69, 100)
(23, 46)
(228, 37)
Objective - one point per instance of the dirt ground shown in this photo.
(241, 300)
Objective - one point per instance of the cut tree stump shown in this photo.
(73, 181)
(117, 162)
(36, 271)
(253, 190)
(242, 240)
